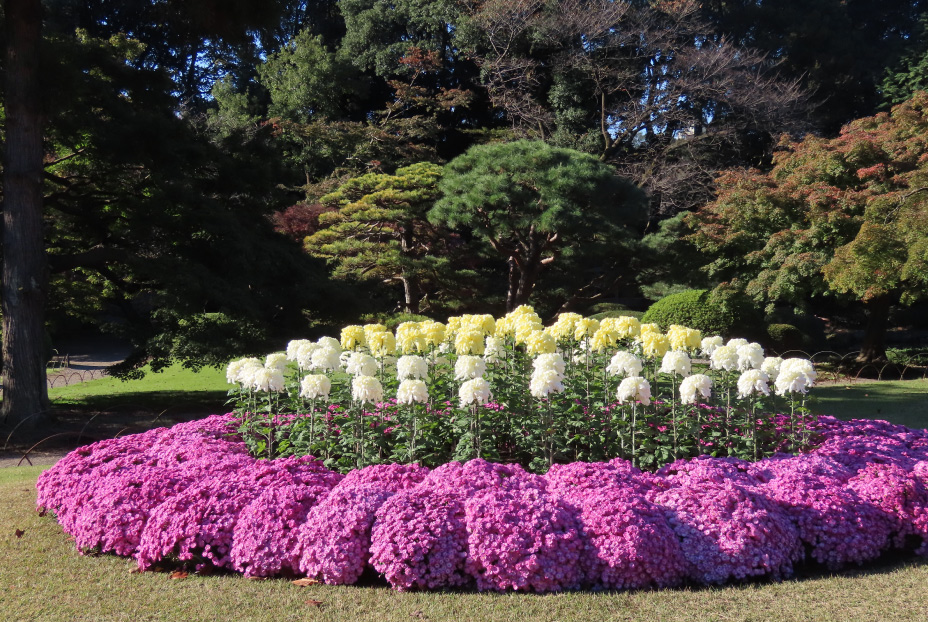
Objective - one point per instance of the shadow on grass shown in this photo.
(899, 402)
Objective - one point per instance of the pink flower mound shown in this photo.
(112, 519)
(836, 527)
(335, 540)
(630, 544)
(899, 494)
(392, 477)
(567, 480)
(860, 442)
(419, 540)
(522, 539)
(478, 474)
(729, 531)
(706, 469)
(264, 541)
(201, 520)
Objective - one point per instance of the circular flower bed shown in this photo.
(192, 494)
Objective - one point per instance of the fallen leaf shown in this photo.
(19, 533)
(418, 614)
(305, 582)
(179, 574)
(135, 570)
(314, 603)
(43, 513)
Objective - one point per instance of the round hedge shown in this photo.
(699, 309)
(191, 494)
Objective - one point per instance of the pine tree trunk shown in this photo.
(874, 345)
(24, 275)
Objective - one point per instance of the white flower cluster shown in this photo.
(634, 388)
(676, 362)
(795, 376)
(691, 385)
(624, 364)
(547, 375)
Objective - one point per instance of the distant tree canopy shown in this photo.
(844, 216)
(538, 206)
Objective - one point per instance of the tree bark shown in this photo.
(24, 273)
(874, 345)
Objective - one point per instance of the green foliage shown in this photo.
(378, 232)
(702, 309)
(538, 206)
(785, 336)
(845, 216)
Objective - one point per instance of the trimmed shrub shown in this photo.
(712, 313)
(785, 336)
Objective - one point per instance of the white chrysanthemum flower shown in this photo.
(582, 357)
(411, 366)
(330, 342)
(476, 391)
(233, 370)
(492, 348)
(366, 389)
(751, 381)
(624, 364)
(361, 364)
(737, 343)
(710, 344)
(304, 354)
(796, 376)
(750, 356)
(326, 357)
(294, 346)
(468, 367)
(676, 362)
(551, 360)
(771, 367)
(545, 382)
(386, 363)
(245, 372)
(412, 391)
(315, 386)
(277, 360)
(724, 357)
(696, 383)
(634, 388)
(268, 379)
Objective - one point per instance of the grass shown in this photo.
(900, 401)
(42, 577)
(174, 387)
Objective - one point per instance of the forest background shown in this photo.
(208, 179)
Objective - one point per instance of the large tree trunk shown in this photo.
(874, 345)
(24, 275)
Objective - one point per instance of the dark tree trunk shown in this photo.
(874, 345)
(24, 275)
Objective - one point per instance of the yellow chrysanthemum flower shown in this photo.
(381, 344)
(469, 342)
(654, 344)
(353, 337)
(585, 327)
(683, 338)
(626, 326)
(604, 339)
(538, 342)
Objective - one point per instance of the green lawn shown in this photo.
(42, 578)
(899, 401)
(174, 387)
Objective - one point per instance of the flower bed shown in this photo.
(193, 494)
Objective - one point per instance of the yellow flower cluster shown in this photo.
(604, 338)
(469, 341)
(434, 332)
(564, 327)
(381, 344)
(409, 338)
(654, 344)
(371, 329)
(522, 321)
(626, 327)
(539, 342)
(585, 327)
(352, 337)
(683, 338)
